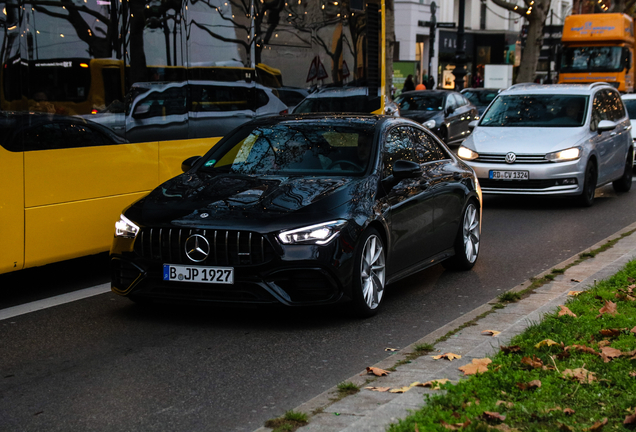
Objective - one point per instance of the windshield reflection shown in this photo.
(537, 111)
(292, 148)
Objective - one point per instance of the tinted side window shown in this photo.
(617, 111)
(600, 110)
(398, 146)
(426, 149)
(52, 136)
(220, 98)
(261, 99)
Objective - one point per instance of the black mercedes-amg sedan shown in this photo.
(301, 210)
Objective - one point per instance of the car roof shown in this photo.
(428, 92)
(573, 89)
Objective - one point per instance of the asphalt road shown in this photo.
(103, 363)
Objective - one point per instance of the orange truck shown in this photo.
(598, 47)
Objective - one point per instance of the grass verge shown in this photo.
(291, 421)
(584, 381)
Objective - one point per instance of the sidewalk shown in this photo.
(371, 411)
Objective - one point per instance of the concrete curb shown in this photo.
(369, 411)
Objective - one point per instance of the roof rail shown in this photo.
(597, 84)
(520, 85)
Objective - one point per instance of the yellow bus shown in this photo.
(69, 160)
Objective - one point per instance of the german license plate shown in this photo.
(508, 175)
(198, 274)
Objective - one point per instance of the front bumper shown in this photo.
(293, 275)
(562, 178)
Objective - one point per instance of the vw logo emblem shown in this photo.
(511, 158)
(197, 248)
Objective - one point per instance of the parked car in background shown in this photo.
(630, 105)
(480, 97)
(562, 139)
(446, 113)
(160, 111)
(291, 96)
(346, 100)
(301, 210)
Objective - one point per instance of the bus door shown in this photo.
(78, 177)
(11, 201)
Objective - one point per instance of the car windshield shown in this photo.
(296, 148)
(480, 97)
(429, 102)
(349, 104)
(630, 104)
(592, 59)
(537, 111)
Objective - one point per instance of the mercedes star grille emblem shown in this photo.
(197, 248)
(511, 158)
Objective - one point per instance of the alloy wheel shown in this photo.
(471, 233)
(372, 271)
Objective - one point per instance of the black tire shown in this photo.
(468, 239)
(586, 199)
(368, 274)
(624, 184)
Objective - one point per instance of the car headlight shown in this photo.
(466, 153)
(564, 155)
(429, 124)
(314, 234)
(125, 228)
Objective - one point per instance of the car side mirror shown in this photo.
(605, 125)
(187, 164)
(450, 110)
(141, 111)
(473, 124)
(406, 169)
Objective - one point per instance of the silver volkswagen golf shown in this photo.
(563, 139)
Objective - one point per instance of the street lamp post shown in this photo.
(460, 53)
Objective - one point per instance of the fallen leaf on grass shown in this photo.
(490, 415)
(598, 425)
(574, 293)
(583, 348)
(630, 419)
(568, 411)
(582, 375)
(566, 311)
(624, 297)
(603, 343)
(455, 426)
(533, 362)
(548, 342)
(390, 349)
(477, 366)
(633, 330)
(529, 385)
(378, 389)
(377, 371)
(448, 356)
(609, 308)
(476, 402)
(508, 404)
(490, 332)
(512, 348)
(608, 353)
(549, 410)
(632, 374)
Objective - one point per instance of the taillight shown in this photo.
(283, 112)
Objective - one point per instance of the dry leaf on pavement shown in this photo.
(448, 356)
(574, 293)
(477, 366)
(378, 389)
(609, 308)
(490, 332)
(533, 362)
(529, 385)
(566, 311)
(582, 375)
(377, 371)
(390, 349)
(400, 390)
(548, 342)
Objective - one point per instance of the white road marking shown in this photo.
(53, 301)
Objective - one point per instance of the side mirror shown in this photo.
(405, 169)
(605, 125)
(187, 164)
(450, 110)
(141, 111)
(473, 124)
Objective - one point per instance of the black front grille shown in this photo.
(501, 158)
(517, 184)
(226, 247)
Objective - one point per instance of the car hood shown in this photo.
(231, 200)
(525, 140)
(420, 116)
